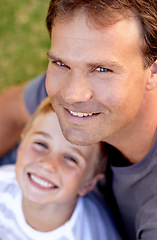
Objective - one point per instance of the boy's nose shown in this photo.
(50, 164)
(76, 89)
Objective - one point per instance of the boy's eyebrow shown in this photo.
(80, 153)
(47, 135)
(42, 133)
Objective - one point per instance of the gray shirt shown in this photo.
(135, 191)
(35, 92)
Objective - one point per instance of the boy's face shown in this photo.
(49, 169)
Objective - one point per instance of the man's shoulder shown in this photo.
(35, 92)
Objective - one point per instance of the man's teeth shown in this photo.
(81, 114)
(41, 182)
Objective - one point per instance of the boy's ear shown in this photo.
(90, 184)
(152, 80)
(19, 148)
(20, 144)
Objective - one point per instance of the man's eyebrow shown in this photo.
(106, 64)
(42, 133)
(53, 57)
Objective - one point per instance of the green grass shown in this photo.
(24, 40)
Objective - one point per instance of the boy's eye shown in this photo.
(70, 159)
(41, 145)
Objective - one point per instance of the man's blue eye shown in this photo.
(61, 64)
(101, 69)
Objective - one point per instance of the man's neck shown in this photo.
(137, 138)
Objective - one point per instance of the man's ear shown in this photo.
(152, 80)
(90, 184)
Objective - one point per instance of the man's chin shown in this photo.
(78, 137)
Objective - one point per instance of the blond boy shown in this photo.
(46, 198)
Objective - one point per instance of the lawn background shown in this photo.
(24, 40)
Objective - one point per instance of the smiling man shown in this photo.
(96, 78)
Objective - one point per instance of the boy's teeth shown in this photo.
(41, 182)
(81, 114)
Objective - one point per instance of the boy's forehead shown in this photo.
(43, 119)
(38, 121)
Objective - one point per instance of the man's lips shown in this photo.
(42, 182)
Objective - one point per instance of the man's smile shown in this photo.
(79, 114)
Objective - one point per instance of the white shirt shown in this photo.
(90, 220)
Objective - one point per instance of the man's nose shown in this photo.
(76, 88)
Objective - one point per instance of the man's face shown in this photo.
(95, 79)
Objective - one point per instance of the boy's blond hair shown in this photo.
(44, 108)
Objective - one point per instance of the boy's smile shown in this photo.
(41, 182)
